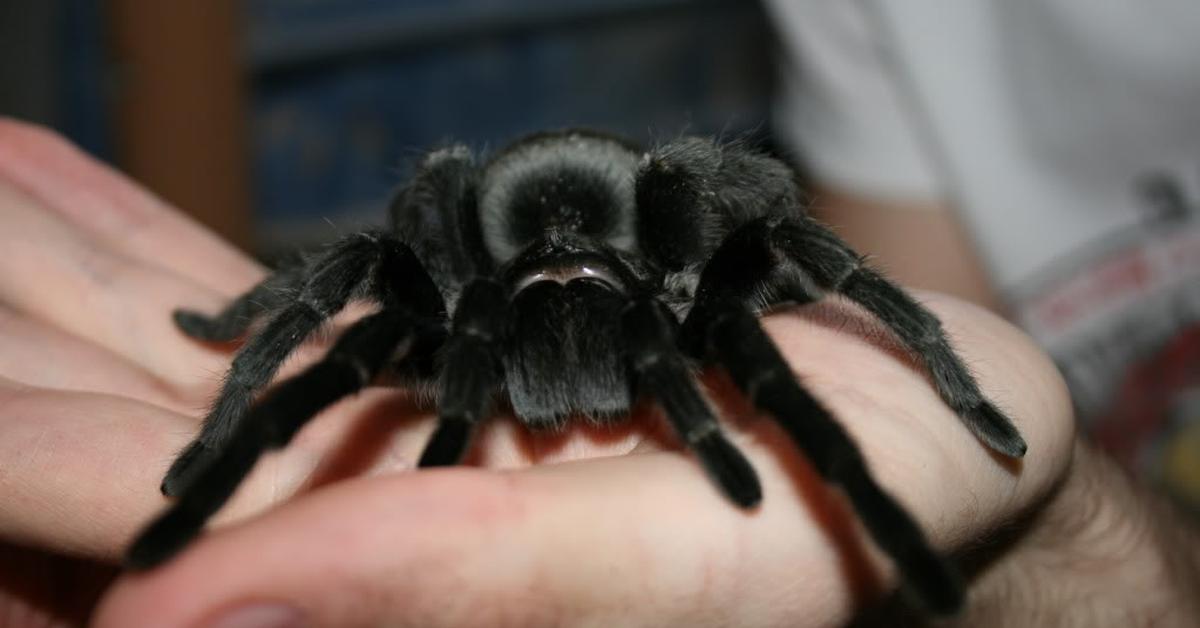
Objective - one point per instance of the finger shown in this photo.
(549, 551)
(75, 465)
(81, 471)
(38, 355)
(117, 212)
(53, 274)
(638, 540)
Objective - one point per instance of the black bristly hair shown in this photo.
(573, 272)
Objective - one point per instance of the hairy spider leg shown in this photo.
(737, 342)
(835, 268)
(661, 372)
(340, 274)
(723, 328)
(236, 318)
(754, 363)
(472, 371)
(355, 360)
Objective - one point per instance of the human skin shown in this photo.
(610, 527)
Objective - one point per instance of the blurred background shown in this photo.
(281, 123)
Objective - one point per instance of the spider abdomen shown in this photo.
(577, 182)
(563, 357)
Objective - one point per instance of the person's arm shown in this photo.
(919, 243)
(1104, 550)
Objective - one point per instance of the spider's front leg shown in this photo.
(660, 371)
(411, 308)
(769, 260)
(800, 259)
(471, 371)
(334, 279)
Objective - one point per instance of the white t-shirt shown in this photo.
(1067, 132)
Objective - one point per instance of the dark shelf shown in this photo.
(285, 36)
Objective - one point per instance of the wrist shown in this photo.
(1102, 551)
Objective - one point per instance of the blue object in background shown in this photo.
(84, 109)
(338, 119)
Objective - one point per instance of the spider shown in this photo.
(573, 272)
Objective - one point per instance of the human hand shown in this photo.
(88, 365)
(640, 539)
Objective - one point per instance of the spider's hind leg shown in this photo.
(335, 278)
(352, 363)
(412, 311)
(233, 321)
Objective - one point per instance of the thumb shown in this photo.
(635, 540)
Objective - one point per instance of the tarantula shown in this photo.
(574, 272)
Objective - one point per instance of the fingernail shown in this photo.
(259, 615)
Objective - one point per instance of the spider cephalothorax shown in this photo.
(572, 272)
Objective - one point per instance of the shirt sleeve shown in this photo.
(840, 103)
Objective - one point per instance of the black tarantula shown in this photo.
(575, 272)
